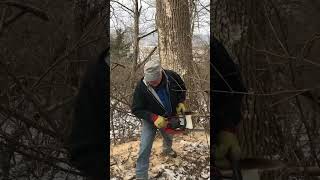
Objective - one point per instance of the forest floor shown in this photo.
(192, 162)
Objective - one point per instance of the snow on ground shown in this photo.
(193, 159)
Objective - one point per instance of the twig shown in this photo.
(286, 99)
(116, 98)
(221, 76)
(275, 33)
(266, 94)
(282, 56)
(58, 105)
(130, 151)
(94, 40)
(204, 6)
(118, 64)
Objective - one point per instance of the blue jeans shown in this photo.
(147, 137)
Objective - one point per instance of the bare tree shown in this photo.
(126, 70)
(261, 37)
(38, 50)
(174, 29)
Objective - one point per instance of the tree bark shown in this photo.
(174, 35)
(136, 16)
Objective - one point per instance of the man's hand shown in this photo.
(159, 121)
(227, 147)
(180, 108)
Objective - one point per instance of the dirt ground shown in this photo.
(193, 159)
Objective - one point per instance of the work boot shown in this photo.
(170, 153)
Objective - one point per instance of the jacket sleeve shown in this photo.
(182, 87)
(139, 107)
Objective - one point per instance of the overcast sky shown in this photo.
(120, 17)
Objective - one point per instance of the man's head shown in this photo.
(153, 73)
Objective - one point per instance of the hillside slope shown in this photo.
(193, 159)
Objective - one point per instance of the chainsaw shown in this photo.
(181, 122)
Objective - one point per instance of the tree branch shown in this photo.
(122, 6)
(29, 8)
(147, 34)
(67, 53)
(2, 18)
(148, 57)
(19, 116)
(282, 56)
(117, 64)
(13, 18)
(31, 97)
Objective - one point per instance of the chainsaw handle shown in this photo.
(177, 122)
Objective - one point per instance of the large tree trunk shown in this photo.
(174, 35)
(273, 126)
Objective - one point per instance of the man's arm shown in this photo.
(138, 107)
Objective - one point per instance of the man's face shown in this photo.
(155, 83)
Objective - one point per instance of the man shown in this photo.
(88, 139)
(158, 95)
(226, 105)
